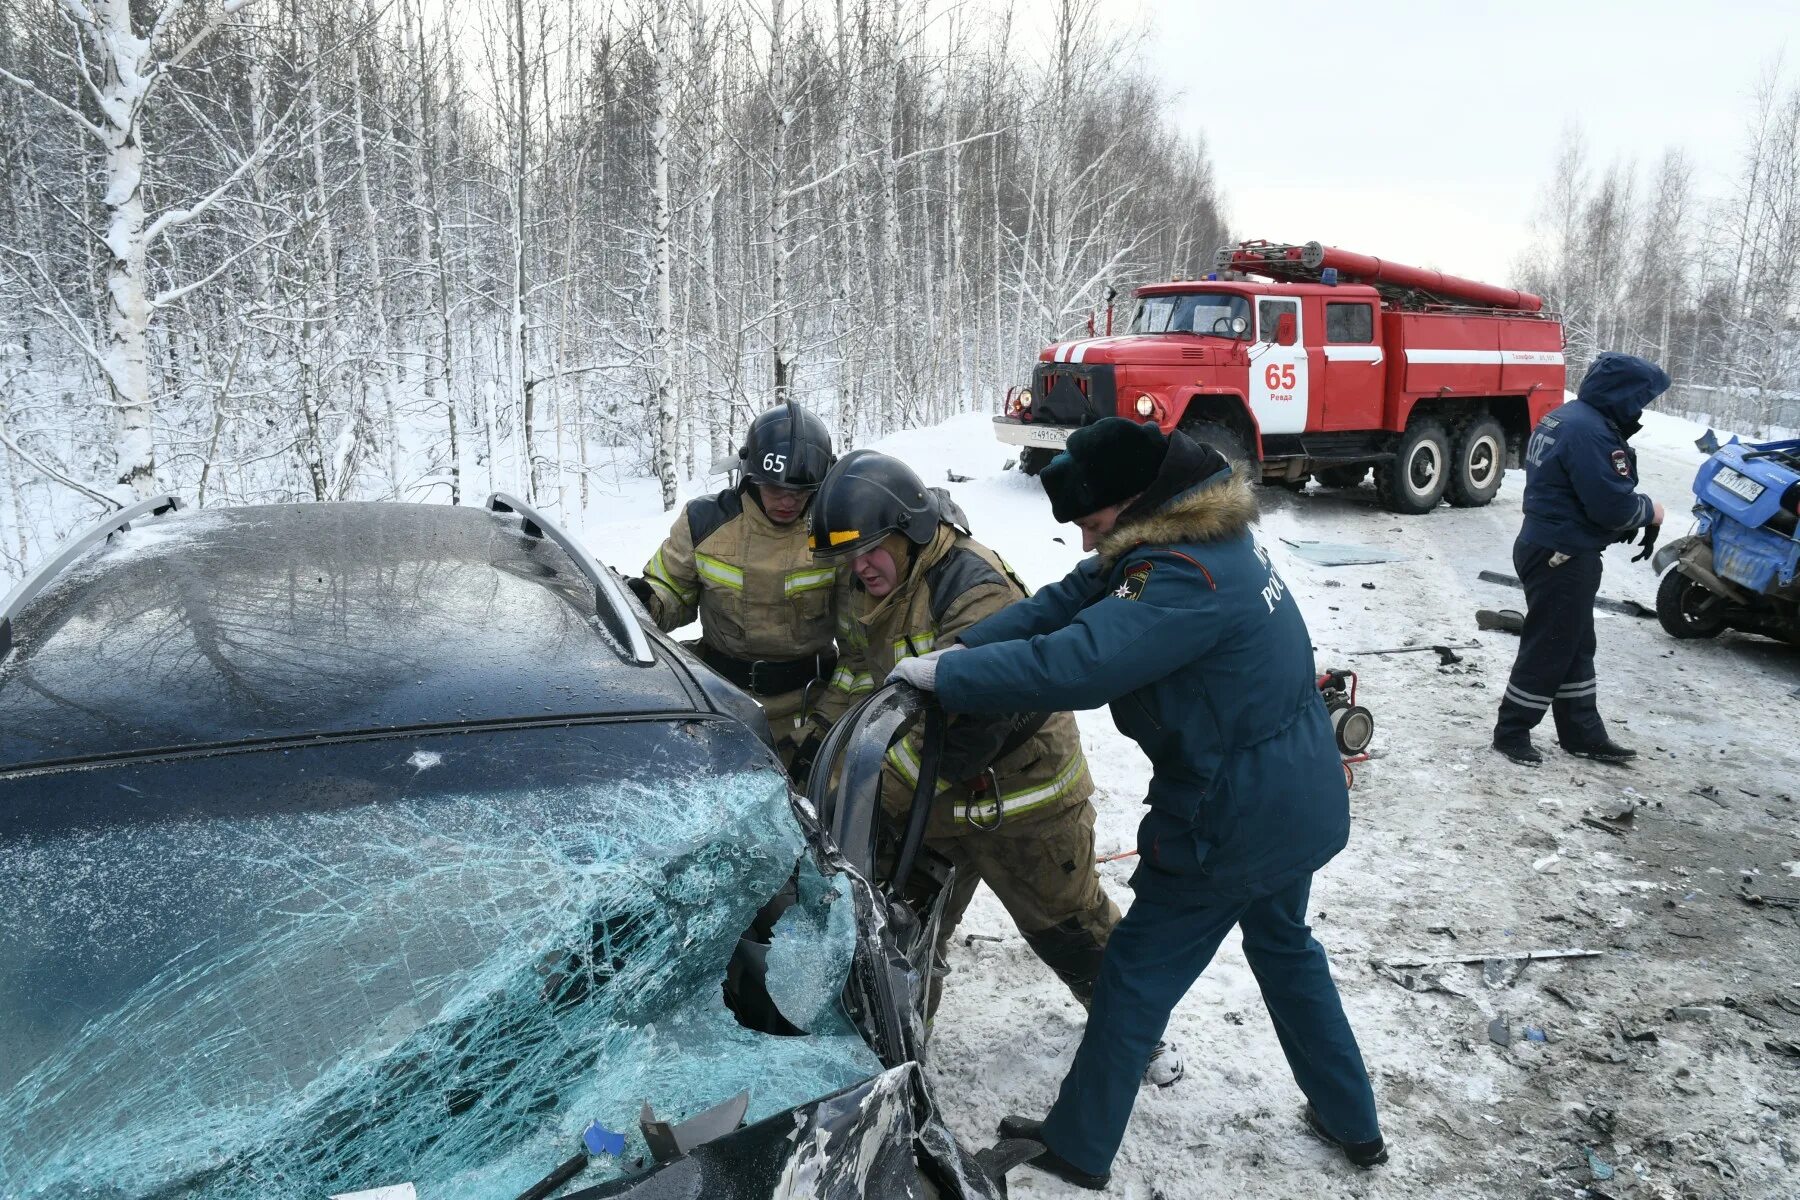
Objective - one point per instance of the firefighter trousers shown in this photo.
(1155, 955)
(1043, 872)
(1554, 671)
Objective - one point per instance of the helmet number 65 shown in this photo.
(774, 462)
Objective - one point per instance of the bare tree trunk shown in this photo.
(662, 318)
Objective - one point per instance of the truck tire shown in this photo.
(1676, 598)
(1033, 459)
(1222, 438)
(1478, 462)
(1415, 481)
(1350, 476)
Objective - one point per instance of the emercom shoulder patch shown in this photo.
(1136, 576)
(1621, 463)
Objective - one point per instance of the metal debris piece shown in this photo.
(1605, 826)
(953, 477)
(1481, 955)
(1499, 1032)
(1689, 1012)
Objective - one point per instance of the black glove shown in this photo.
(801, 769)
(1648, 543)
(640, 588)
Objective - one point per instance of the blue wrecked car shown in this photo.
(1740, 568)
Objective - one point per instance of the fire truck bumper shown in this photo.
(1015, 432)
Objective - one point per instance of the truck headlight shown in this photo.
(1145, 406)
(1024, 397)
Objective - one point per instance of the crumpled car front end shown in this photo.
(438, 960)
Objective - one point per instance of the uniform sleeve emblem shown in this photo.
(1136, 576)
(1621, 462)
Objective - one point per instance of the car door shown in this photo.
(1278, 374)
(1351, 395)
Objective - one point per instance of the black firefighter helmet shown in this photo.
(787, 447)
(867, 496)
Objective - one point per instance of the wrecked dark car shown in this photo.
(380, 846)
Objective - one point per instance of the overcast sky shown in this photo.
(1424, 132)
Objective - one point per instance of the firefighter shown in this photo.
(739, 560)
(1580, 496)
(1181, 624)
(1013, 808)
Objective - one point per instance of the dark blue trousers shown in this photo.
(1554, 671)
(1152, 958)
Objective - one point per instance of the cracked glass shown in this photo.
(436, 960)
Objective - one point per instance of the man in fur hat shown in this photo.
(1182, 625)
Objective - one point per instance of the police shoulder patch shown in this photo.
(1621, 462)
(1136, 576)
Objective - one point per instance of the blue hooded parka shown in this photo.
(1580, 472)
(1183, 627)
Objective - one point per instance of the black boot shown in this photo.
(1050, 1160)
(1519, 749)
(1605, 750)
(1361, 1154)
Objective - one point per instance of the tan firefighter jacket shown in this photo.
(753, 584)
(951, 584)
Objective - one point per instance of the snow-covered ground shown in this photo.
(1453, 851)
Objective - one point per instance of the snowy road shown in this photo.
(1453, 850)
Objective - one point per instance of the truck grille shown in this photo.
(1073, 393)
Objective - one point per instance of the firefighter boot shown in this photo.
(1033, 1131)
(1360, 1154)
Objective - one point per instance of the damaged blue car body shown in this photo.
(362, 846)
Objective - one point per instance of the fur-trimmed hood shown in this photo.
(1210, 510)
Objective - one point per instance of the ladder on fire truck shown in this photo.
(1397, 284)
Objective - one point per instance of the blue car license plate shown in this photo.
(1738, 484)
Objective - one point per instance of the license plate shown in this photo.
(1739, 485)
(1027, 433)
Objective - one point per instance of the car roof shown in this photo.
(223, 626)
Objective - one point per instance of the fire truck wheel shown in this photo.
(1479, 463)
(1415, 481)
(1222, 438)
(1034, 459)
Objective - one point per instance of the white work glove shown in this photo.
(921, 672)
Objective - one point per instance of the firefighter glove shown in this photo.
(921, 672)
(641, 589)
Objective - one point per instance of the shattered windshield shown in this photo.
(300, 972)
(1193, 312)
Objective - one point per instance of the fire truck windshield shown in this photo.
(1193, 312)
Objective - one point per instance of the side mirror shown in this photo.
(1286, 330)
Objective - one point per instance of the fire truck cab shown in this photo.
(1309, 361)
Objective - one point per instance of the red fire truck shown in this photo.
(1310, 361)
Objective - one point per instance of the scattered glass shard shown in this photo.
(1341, 554)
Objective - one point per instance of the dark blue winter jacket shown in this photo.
(1184, 628)
(1580, 474)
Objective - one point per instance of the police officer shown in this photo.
(1013, 807)
(1580, 496)
(1181, 624)
(739, 559)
